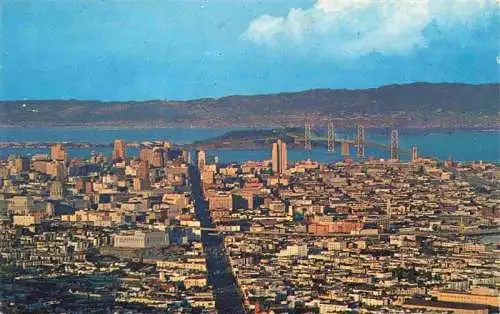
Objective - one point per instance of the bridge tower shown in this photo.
(360, 141)
(414, 153)
(331, 137)
(395, 144)
(307, 136)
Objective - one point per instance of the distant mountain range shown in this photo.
(410, 105)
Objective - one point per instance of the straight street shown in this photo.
(227, 295)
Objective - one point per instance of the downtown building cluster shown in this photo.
(111, 233)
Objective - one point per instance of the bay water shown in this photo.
(459, 144)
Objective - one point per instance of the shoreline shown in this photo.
(243, 127)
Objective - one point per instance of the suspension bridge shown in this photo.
(360, 142)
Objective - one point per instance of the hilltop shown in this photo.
(410, 105)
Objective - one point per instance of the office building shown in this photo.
(294, 250)
(142, 171)
(141, 239)
(414, 153)
(20, 205)
(25, 220)
(58, 153)
(56, 190)
(119, 150)
(56, 169)
(201, 160)
(279, 157)
(21, 164)
(345, 149)
(220, 200)
(154, 156)
(208, 176)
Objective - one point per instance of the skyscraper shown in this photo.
(414, 153)
(158, 160)
(146, 154)
(345, 149)
(280, 161)
(142, 170)
(360, 141)
(186, 156)
(21, 164)
(142, 181)
(154, 156)
(275, 158)
(119, 150)
(58, 152)
(201, 160)
(395, 144)
(56, 169)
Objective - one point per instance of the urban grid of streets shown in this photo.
(156, 233)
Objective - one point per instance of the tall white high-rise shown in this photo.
(201, 160)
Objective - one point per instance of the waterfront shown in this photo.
(462, 144)
(280, 234)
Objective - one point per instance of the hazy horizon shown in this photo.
(261, 94)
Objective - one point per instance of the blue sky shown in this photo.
(123, 50)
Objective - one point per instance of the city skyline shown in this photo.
(188, 50)
(353, 168)
(379, 233)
